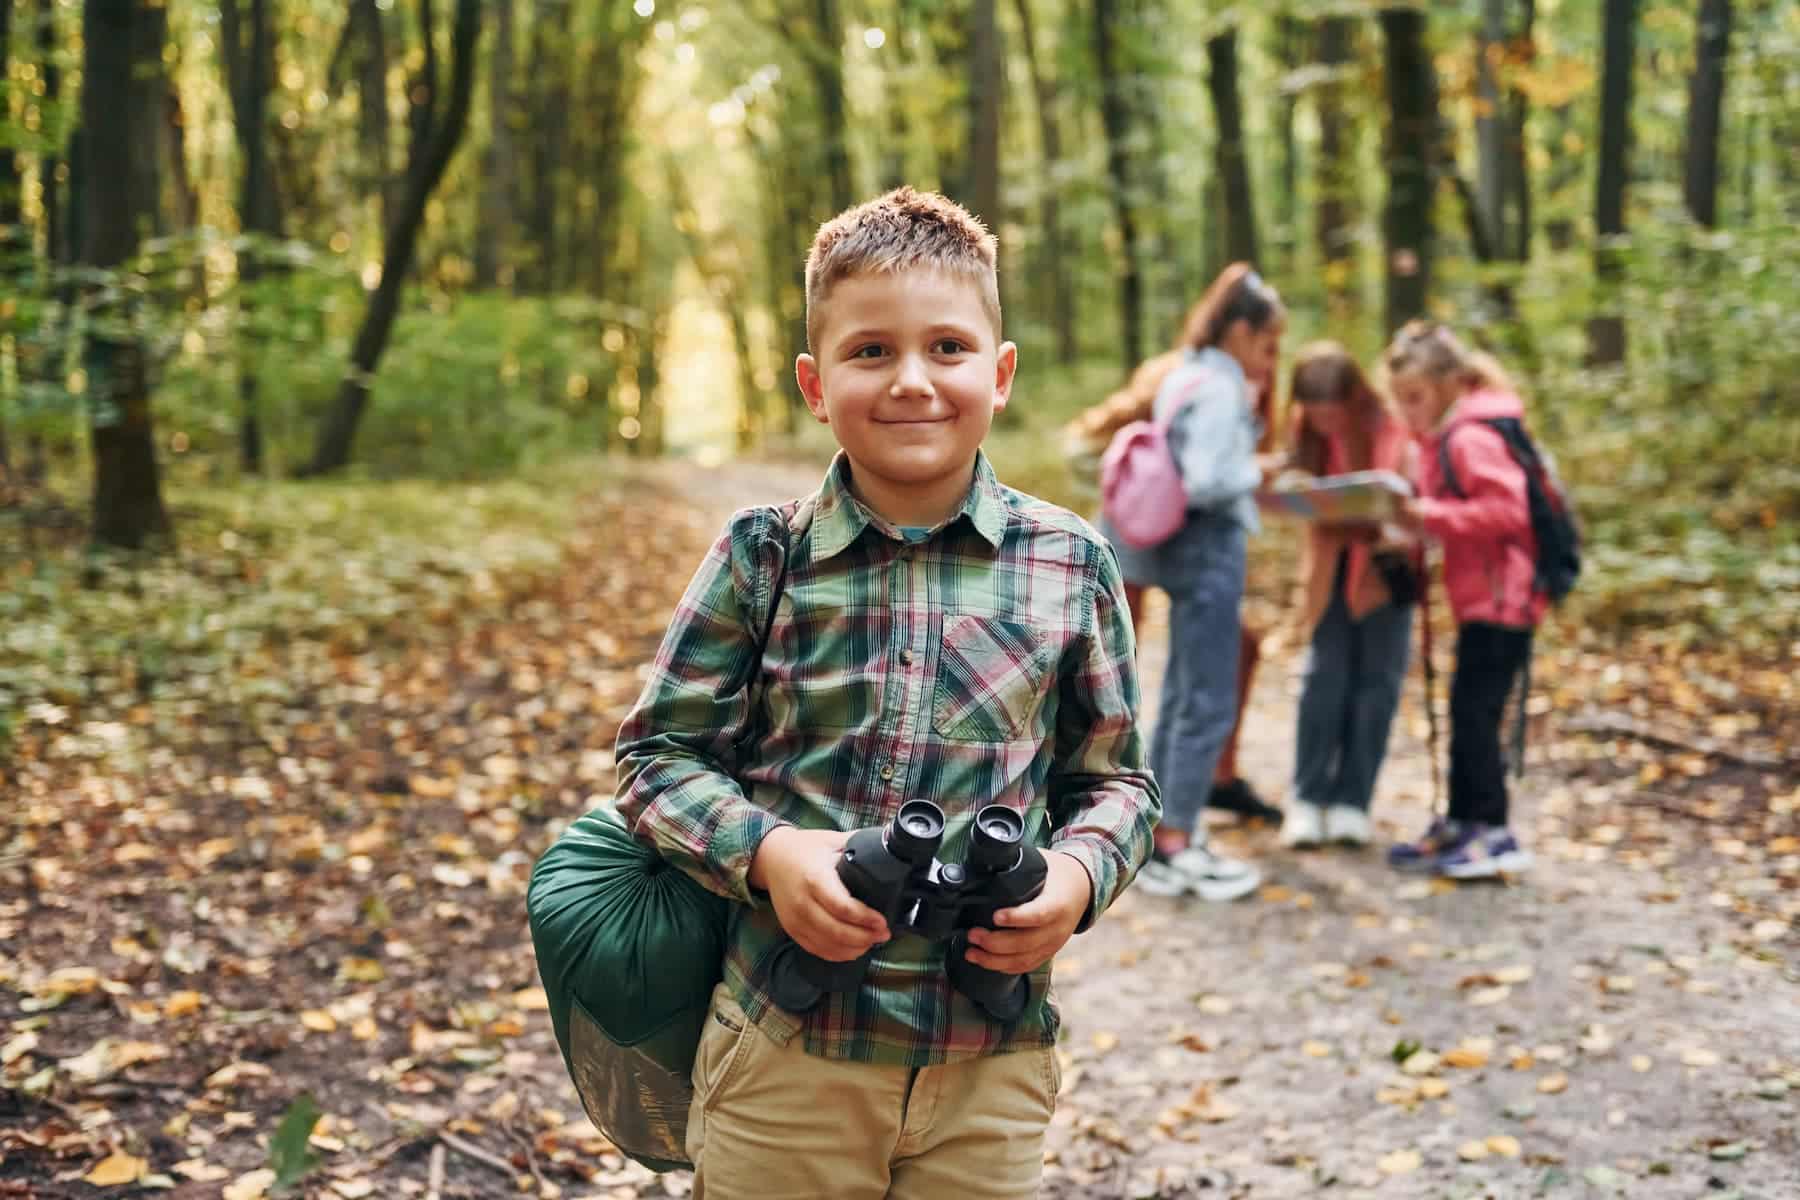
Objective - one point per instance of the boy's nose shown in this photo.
(912, 379)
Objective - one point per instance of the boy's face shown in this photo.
(909, 373)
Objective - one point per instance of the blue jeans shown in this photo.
(1203, 569)
(1351, 686)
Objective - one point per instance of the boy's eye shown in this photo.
(949, 345)
(870, 351)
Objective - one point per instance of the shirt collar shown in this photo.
(839, 517)
(1218, 360)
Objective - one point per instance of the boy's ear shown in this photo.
(1006, 365)
(812, 387)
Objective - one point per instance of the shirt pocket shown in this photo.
(991, 679)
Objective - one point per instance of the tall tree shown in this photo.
(11, 184)
(249, 57)
(1412, 154)
(50, 186)
(1053, 250)
(1618, 34)
(494, 218)
(437, 125)
(122, 45)
(552, 63)
(361, 58)
(987, 81)
(1335, 220)
(1518, 118)
(1115, 120)
(1290, 43)
(825, 62)
(1229, 157)
(1490, 129)
(1706, 103)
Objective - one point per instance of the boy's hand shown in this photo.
(798, 868)
(1029, 935)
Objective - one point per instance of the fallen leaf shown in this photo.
(200, 1171)
(1105, 1042)
(1216, 1006)
(17, 1048)
(1472, 1151)
(1466, 1057)
(1315, 1049)
(319, 1021)
(1504, 1145)
(115, 1169)
(1551, 1085)
(1619, 984)
(1433, 1089)
(183, 1004)
(1487, 997)
(1729, 1152)
(1518, 974)
(1420, 1062)
(1399, 1162)
(253, 1185)
(1640, 1063)
(535, 1000)
(1699, 1056)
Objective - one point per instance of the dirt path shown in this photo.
(343, 916)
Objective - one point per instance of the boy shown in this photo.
(937, 635)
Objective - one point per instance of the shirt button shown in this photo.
(887, 772)
(906, 656)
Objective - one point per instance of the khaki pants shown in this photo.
(772, 1122)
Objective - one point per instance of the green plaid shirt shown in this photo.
(991, 662)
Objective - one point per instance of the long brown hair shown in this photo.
(1238, 294)
(1326, 373)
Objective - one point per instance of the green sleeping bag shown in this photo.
(629, 949)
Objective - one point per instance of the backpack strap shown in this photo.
(1447, 468)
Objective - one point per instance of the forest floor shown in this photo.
(324, 895)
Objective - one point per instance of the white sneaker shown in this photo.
(1199, 872)
(1347, 826)
(1304, 824)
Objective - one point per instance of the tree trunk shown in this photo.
(826, 58)
(1115, 120)
(437, 134)
(123, 85)
(1518, 148)
(1490, 131)
(55, 243)
(11, 189)
(250, 73)
(1335, 218)
(494, 216)
(987, 79)
(1291, 47)
(1606, 329)
(1706, 102)
(551, 64)
(1053, 251)
(1412, 164)
(1229, 158)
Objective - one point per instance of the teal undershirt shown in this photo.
(915, 533)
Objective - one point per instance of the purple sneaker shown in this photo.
(1421, 857)
(1484, 852)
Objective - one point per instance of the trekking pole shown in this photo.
(1431, 721)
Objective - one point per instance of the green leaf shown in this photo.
(1404, 1049)
(289, 1154)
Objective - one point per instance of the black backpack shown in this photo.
(1552, 517)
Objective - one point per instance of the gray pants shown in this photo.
(1352, 679)
(1203, 569)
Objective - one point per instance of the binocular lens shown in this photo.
(916, 831)
(995, 843)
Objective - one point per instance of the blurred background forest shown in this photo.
(331, 300)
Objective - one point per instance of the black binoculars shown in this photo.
(896, 872)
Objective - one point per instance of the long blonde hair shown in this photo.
(1429, 348)
(1239, 293)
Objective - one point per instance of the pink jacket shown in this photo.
(1489, 550)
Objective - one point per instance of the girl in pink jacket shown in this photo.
(1447, 392)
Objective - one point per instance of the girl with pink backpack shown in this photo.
(1178, 511)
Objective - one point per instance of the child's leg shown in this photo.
(1382, 638)
(1324, 694)
(1488, 659)
(770, 1120)
(976, 1128)
(1249, 655)
(1203, 643)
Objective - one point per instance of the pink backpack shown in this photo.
(1141, 491)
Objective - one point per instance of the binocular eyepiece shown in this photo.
(895, 871)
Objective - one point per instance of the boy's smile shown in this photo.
(908, 372)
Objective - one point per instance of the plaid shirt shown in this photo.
(991, 662)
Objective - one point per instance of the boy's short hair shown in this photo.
(900, 231)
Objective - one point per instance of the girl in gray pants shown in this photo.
(1230, 346)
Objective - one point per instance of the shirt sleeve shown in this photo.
(677, 749)
(1103, 801)
(1214, 439)
(1494, 503)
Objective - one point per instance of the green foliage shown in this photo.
(289, 1155)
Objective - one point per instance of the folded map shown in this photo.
(1357, 496)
